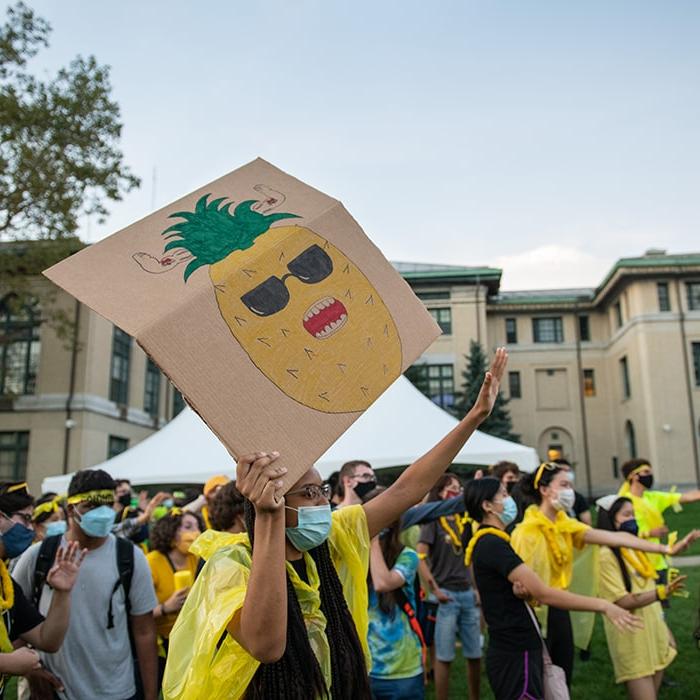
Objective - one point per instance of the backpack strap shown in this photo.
(44, 562)
(413, 623)
(125, 566)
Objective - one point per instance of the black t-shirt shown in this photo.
(580, 504)
(510, 626)
(446, 560)
(20, 618)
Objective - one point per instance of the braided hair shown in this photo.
(297, 675)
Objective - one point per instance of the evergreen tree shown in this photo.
(499, 423)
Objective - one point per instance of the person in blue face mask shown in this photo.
(115, 596)
(49, 516)
(289, 598)
(514, 658)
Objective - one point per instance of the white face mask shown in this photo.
(564, 500)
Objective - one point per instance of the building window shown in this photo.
(548, 330)
(14, 447)
(151, 398)
(116, 446)
(630, 439)
(431, 296)
(514, 385)
(664, 298)
(588, 382)
(119, 372)
(511, 331)
(625, 377)
(694, 296)
(696, 362)
(435, 381)
(443, 317)
(584, 328)
(19, 348)
(618, 314)
(178, 403)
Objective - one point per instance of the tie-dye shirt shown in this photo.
(395, 649)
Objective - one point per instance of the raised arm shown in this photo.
(690, 496)
(384, 579)
(419, 478)
(526, 578)
(625, 539)
(260, 626)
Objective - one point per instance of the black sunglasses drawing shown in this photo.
(311, 266)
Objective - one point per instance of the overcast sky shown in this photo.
(546, 138)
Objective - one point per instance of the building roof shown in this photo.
(545, 296)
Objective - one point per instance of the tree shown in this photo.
(499, 423)
(59, 154)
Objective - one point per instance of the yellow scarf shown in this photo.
(454, 536)
(477, 536)
(639, 562)
(7, 601)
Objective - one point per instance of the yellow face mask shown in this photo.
(186, 539)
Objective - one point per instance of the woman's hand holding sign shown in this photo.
(258, 479)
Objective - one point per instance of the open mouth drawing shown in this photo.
(325, 317)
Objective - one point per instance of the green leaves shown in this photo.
(59, 139)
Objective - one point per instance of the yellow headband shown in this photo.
(48, 507)
(97, 495)
(16, 487)
(545, 465)
(637, 470)
(175, 511)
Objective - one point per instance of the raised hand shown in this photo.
(257, 478)
(492, 384)
(683, 544)
(64, 572)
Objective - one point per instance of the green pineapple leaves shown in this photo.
(211, 232)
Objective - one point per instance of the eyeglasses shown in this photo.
(364, 478)
(313, 492)
(27, 517)
(310, 267)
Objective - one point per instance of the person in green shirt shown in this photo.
(649, 506)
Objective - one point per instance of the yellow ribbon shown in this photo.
(16, 487)
(639, 562)
(46, 508)
(456, 539)
(477, 536)
(7, 601)
(97, 495)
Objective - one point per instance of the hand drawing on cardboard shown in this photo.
(304, 313)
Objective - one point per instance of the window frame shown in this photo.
(695, 353)
(20, 450)
(23, 332)
(557, 328)
(693, 295)
(120, 364)
(584, 323)
(665, 298)
(514, 382)
(445, 325)
(589, 388)
(512, 332)
(151, 389)
(619, 319)
(625, 377)
(112, 441)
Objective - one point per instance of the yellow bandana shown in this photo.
(97, 496)
(477, 536)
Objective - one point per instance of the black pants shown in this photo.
(560, 641)
(515, 675)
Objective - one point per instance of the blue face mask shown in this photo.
(58, 527)
(17, 539)
(630, 526)
(168, 503)
(97, 522)
(510, 511)
(313, 526)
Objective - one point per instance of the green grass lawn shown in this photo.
(594, 678)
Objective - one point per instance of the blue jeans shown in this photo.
(397, 688)
(460, 616)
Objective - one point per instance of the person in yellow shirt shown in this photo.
(628, 579)
(545, 541)
(171, 539)
(281, 611)
(649, 507)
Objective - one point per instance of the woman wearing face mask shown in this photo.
(49, 517)
(514, 656)
(281, 612)
(171, 539)
(545, 541)
(628, 579)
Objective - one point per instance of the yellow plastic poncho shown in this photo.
(547, 547)
(198, 668)
(648, 512)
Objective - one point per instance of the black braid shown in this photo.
(297, 675)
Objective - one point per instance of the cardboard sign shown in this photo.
(265, 304)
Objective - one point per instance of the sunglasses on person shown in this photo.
(310, 267)
(313, 491)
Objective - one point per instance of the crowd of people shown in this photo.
(342, 589)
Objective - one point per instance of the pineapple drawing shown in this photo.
(305, 314)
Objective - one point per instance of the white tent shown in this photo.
(400, 426)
